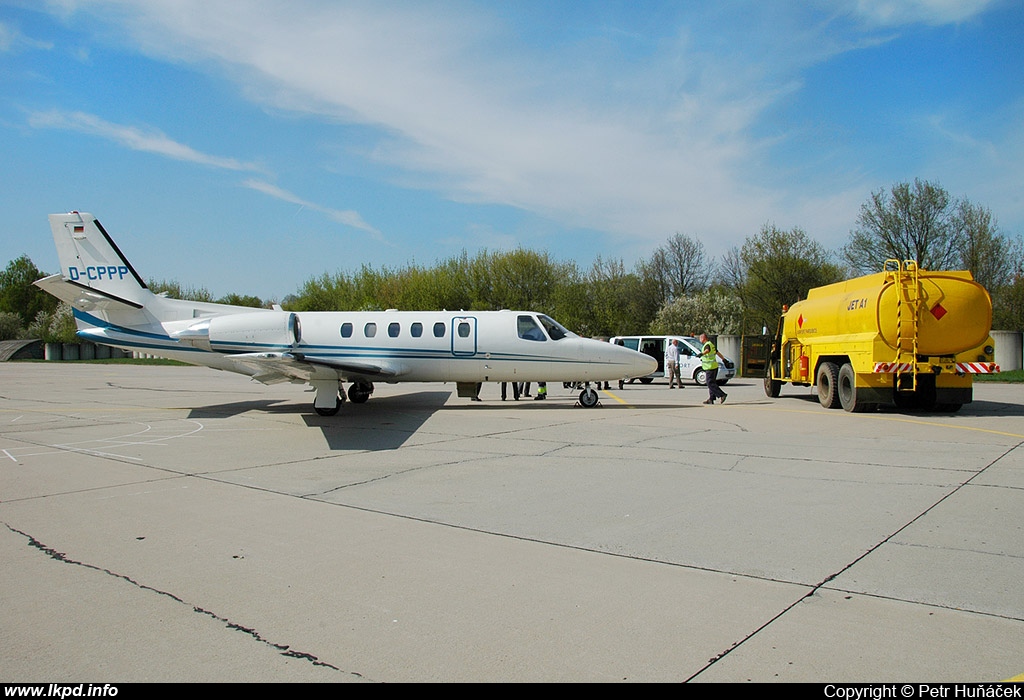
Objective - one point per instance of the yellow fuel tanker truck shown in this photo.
(904, 336)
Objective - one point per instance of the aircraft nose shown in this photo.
(641, 364)
(633, 363)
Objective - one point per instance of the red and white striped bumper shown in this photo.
(961, 367)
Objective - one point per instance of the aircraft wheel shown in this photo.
(828, 385)
(328, 411)
(359, 393)
(588, 398)
(644, 380)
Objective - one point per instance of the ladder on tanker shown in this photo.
(908, 315)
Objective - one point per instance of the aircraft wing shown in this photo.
(82, 297)
(274, 367)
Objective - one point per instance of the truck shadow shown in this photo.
(979, 408)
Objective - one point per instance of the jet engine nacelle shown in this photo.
(260, 328)
(263, 328)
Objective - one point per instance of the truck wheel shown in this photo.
(848, 391)
(828, 384)
(772, 388)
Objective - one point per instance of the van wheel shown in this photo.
(828, 385)
(701, 377)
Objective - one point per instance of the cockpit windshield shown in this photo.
(528, 329)
(554, 328)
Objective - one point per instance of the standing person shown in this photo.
(542, 391)
(515, 391)
(709, 362)
(672, 364)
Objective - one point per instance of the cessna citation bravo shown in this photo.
(113, 306)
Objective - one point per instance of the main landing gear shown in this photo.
(330, 395)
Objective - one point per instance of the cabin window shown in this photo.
(463, 330)
(394, 329)
(370, 330)
(528, 329)
(416, 330)
(438, 330)
(346, 330)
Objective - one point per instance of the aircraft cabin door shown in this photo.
(464, 336)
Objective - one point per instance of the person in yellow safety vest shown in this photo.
(709, 363)
(542, 391)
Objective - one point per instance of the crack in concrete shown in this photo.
(283, 649)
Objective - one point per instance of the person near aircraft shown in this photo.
(672, 364)
(709, 362)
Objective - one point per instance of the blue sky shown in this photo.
(249, 146)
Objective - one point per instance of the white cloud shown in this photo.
(460, 111)
(890, 13)
(346, 217)
(639, 145)
(11, 39)
(150, 141)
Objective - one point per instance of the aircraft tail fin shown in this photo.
(92, 264)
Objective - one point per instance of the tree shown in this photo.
(714, 311)
(993, 259)
(174, 290)
(520, 279)
(776, 268)
(918, 222)
(19, 295)
(678, 268)
(57, 326)
(612, 300)
(11, 327)
(234, 299)
(1008, 306)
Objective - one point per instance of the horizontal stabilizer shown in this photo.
(82, 297)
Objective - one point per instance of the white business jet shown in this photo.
(113, 306)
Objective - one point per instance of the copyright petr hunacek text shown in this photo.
(922, 690)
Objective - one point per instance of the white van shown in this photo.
(689, 356)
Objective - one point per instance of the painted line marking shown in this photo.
(623, 402)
